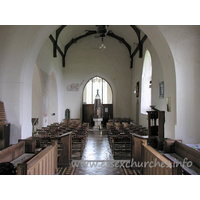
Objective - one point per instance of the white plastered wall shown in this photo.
(37, 97)
(184, 42)
(157, 77)
(53, 100)
(19, 49)
(84, 60)
(52, 84)
(167, 63)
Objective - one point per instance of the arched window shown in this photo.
(146, 83)
(90, 91)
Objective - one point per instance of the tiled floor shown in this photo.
(97, 157)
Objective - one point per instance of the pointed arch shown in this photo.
(29, 59)
(105, 91)
(146, 83)
(37, 96)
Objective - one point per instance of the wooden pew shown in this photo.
(85, 125)
(75, 121)
(118, 137)
(12, 152)
(15, 154)
(30, 144)
(155, 163)
(109, 125)
(58, 132)
(121, 120)
(65, 157)
(44, 163)
(136, 146)
(177, 152)
(79, 138)
(121, 143)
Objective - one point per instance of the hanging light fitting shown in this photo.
(102, 46)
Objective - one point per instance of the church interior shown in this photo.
(118, 97)
(50, 76)
(99, 100)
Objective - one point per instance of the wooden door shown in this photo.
(88, 113)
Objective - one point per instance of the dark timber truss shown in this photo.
(89, 32)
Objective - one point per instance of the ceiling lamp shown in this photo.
(102, 46)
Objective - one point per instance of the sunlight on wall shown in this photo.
(146, 83)
(90, 91)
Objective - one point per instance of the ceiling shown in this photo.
(66, 35)
(73, 31)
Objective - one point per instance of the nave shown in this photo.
(97, 151)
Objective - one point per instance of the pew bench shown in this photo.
(154, 163)
(15, 154)
(30, 144)
(79, 138)
(23, 158)
(178, 152)
(44, 163)
(78, 145)
(120, 143)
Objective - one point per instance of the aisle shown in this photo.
(97, 159)
(99, 156)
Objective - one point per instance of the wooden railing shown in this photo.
(44, 163)
(157, 164)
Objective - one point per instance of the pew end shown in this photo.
(156, 163)
(169, 145)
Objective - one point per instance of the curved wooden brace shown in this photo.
(55, 44)
(111, 34)
(140, 42)
(74, 40)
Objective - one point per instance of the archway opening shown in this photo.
(106, 96)
(146, 83)
(37, 98)
(91, 88)
(153, 33)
